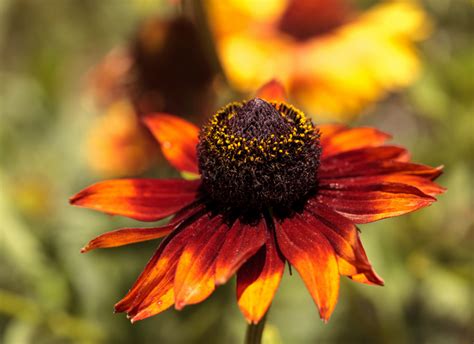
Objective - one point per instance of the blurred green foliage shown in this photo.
(50, 293)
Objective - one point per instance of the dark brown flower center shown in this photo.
(305, 19)
(258, 154)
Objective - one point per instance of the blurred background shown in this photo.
(77, 75)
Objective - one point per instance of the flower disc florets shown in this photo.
(257, 154)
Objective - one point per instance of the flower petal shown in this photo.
(313, 256)
(375, 168)
(272, 91)
(327, 130)
(194, 279)
(140, 199)
(258, 280)
(159, 270)
(425, 185)
(178, 139)
(356, 272)
(241, 242)
(372, 202)
(351, 261)
(125, 236)
(349, 139)
(366, 155)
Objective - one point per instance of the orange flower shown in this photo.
(271, 188)
(164, 68)
(333, 60)
(119, 144)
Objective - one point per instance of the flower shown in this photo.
(271, 188)
(333, 59)
(118, 143)
(163, 68)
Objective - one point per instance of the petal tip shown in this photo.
(273, 90)
(179, 305)
(73, 200)
(221, 280)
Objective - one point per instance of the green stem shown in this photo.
(255, 331)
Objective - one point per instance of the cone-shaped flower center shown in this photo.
(257, 154)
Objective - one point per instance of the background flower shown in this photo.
(51, 293)
(164, 67)
(334, 57)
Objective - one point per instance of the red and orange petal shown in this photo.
(241, 242)
(272, 91)
(344, 237)
(140, 199)
(365, 181)
(315, 260)
(372, 202)
(258, 280)
(350, 139)
(126, 236)
(178, 139)
(194, 279)
(154, 286)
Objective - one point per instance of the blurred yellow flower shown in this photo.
(333, 60)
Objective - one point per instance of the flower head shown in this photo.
(272, 188)
(333, 58)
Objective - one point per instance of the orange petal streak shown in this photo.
(272, 91)
(178, 139)
(125, 236)
(258, 280)
(242, 241)
(314, 258)
(194, 279)
(140, 199)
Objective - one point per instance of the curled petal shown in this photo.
(368, 203)
(140, 199)
(194, 279)
(272, 91)
(359, 273)
(159, 271)
(241, 242)
(258, 280)
(178, 139)
(349, 139)
(314, 258)
(344, 237)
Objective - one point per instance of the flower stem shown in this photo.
(255, 331)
